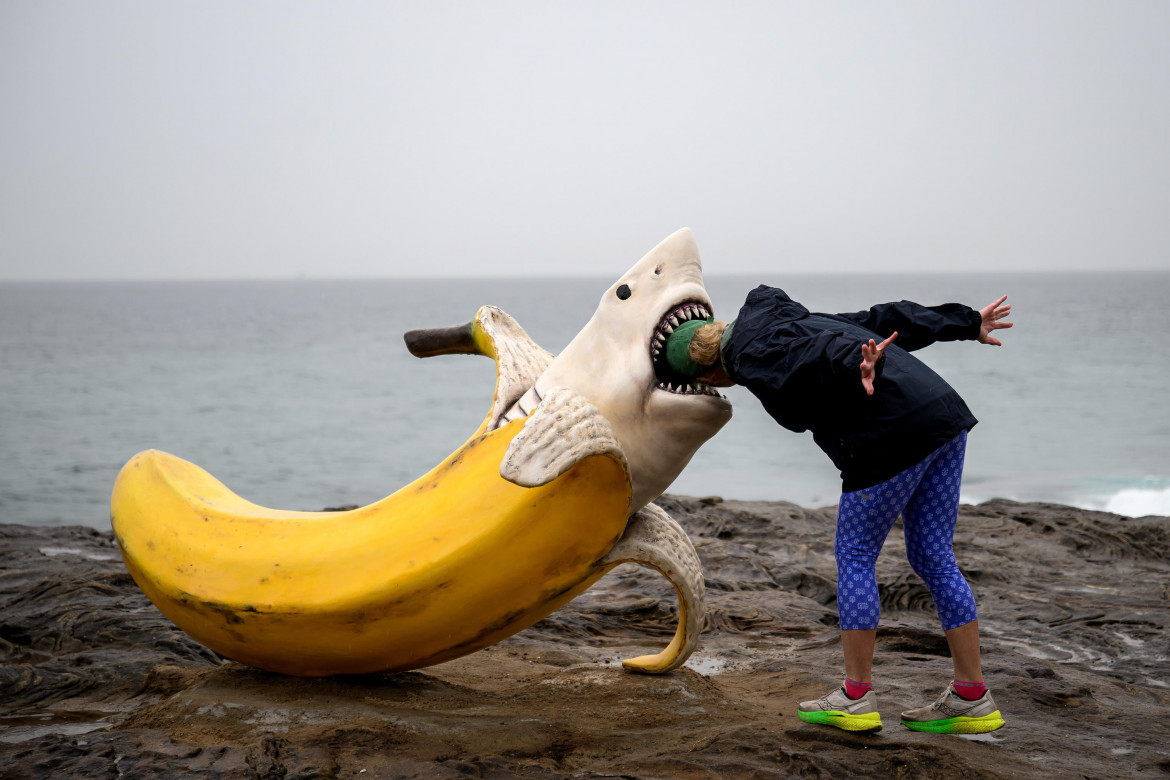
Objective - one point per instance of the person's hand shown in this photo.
(992, 313)
(871, 353)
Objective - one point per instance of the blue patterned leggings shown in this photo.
(927, 497)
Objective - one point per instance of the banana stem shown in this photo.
(455, 340)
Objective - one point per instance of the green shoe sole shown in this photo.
(869, 722)
(958, 725)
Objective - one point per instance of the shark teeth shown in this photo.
(682, 312)
(695, 388)
(690, 310)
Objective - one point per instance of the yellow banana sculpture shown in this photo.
(526, 515)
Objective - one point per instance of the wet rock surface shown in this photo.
(1075, 611)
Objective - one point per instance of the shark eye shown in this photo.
(623, 292)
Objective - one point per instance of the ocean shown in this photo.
(300, 394)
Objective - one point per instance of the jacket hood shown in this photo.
(775, 303)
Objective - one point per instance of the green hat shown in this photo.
(678, 344)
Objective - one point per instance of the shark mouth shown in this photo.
(668, 379)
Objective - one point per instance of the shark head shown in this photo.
(660, 420)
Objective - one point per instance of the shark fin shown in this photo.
(653, 538)
(563, 430)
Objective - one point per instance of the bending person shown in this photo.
(897, 431)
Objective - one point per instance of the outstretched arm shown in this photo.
(871, 353)
(992, 314)
(919, 325)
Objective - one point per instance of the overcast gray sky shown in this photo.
(278, 139)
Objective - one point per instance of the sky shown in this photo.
(225, 140)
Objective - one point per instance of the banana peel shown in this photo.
(451, 563)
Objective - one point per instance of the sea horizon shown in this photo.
(299, 393)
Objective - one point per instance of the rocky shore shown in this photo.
(1075, 611)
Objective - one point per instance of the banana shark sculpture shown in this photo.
(550, 493)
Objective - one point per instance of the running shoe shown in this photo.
(952, 714)
(837, 709)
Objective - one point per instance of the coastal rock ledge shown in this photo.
(1074, 605)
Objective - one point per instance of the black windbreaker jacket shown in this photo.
(804, 368)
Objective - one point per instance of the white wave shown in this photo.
(1139, 502)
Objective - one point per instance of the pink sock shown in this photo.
(855, 690)
(970, 690)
